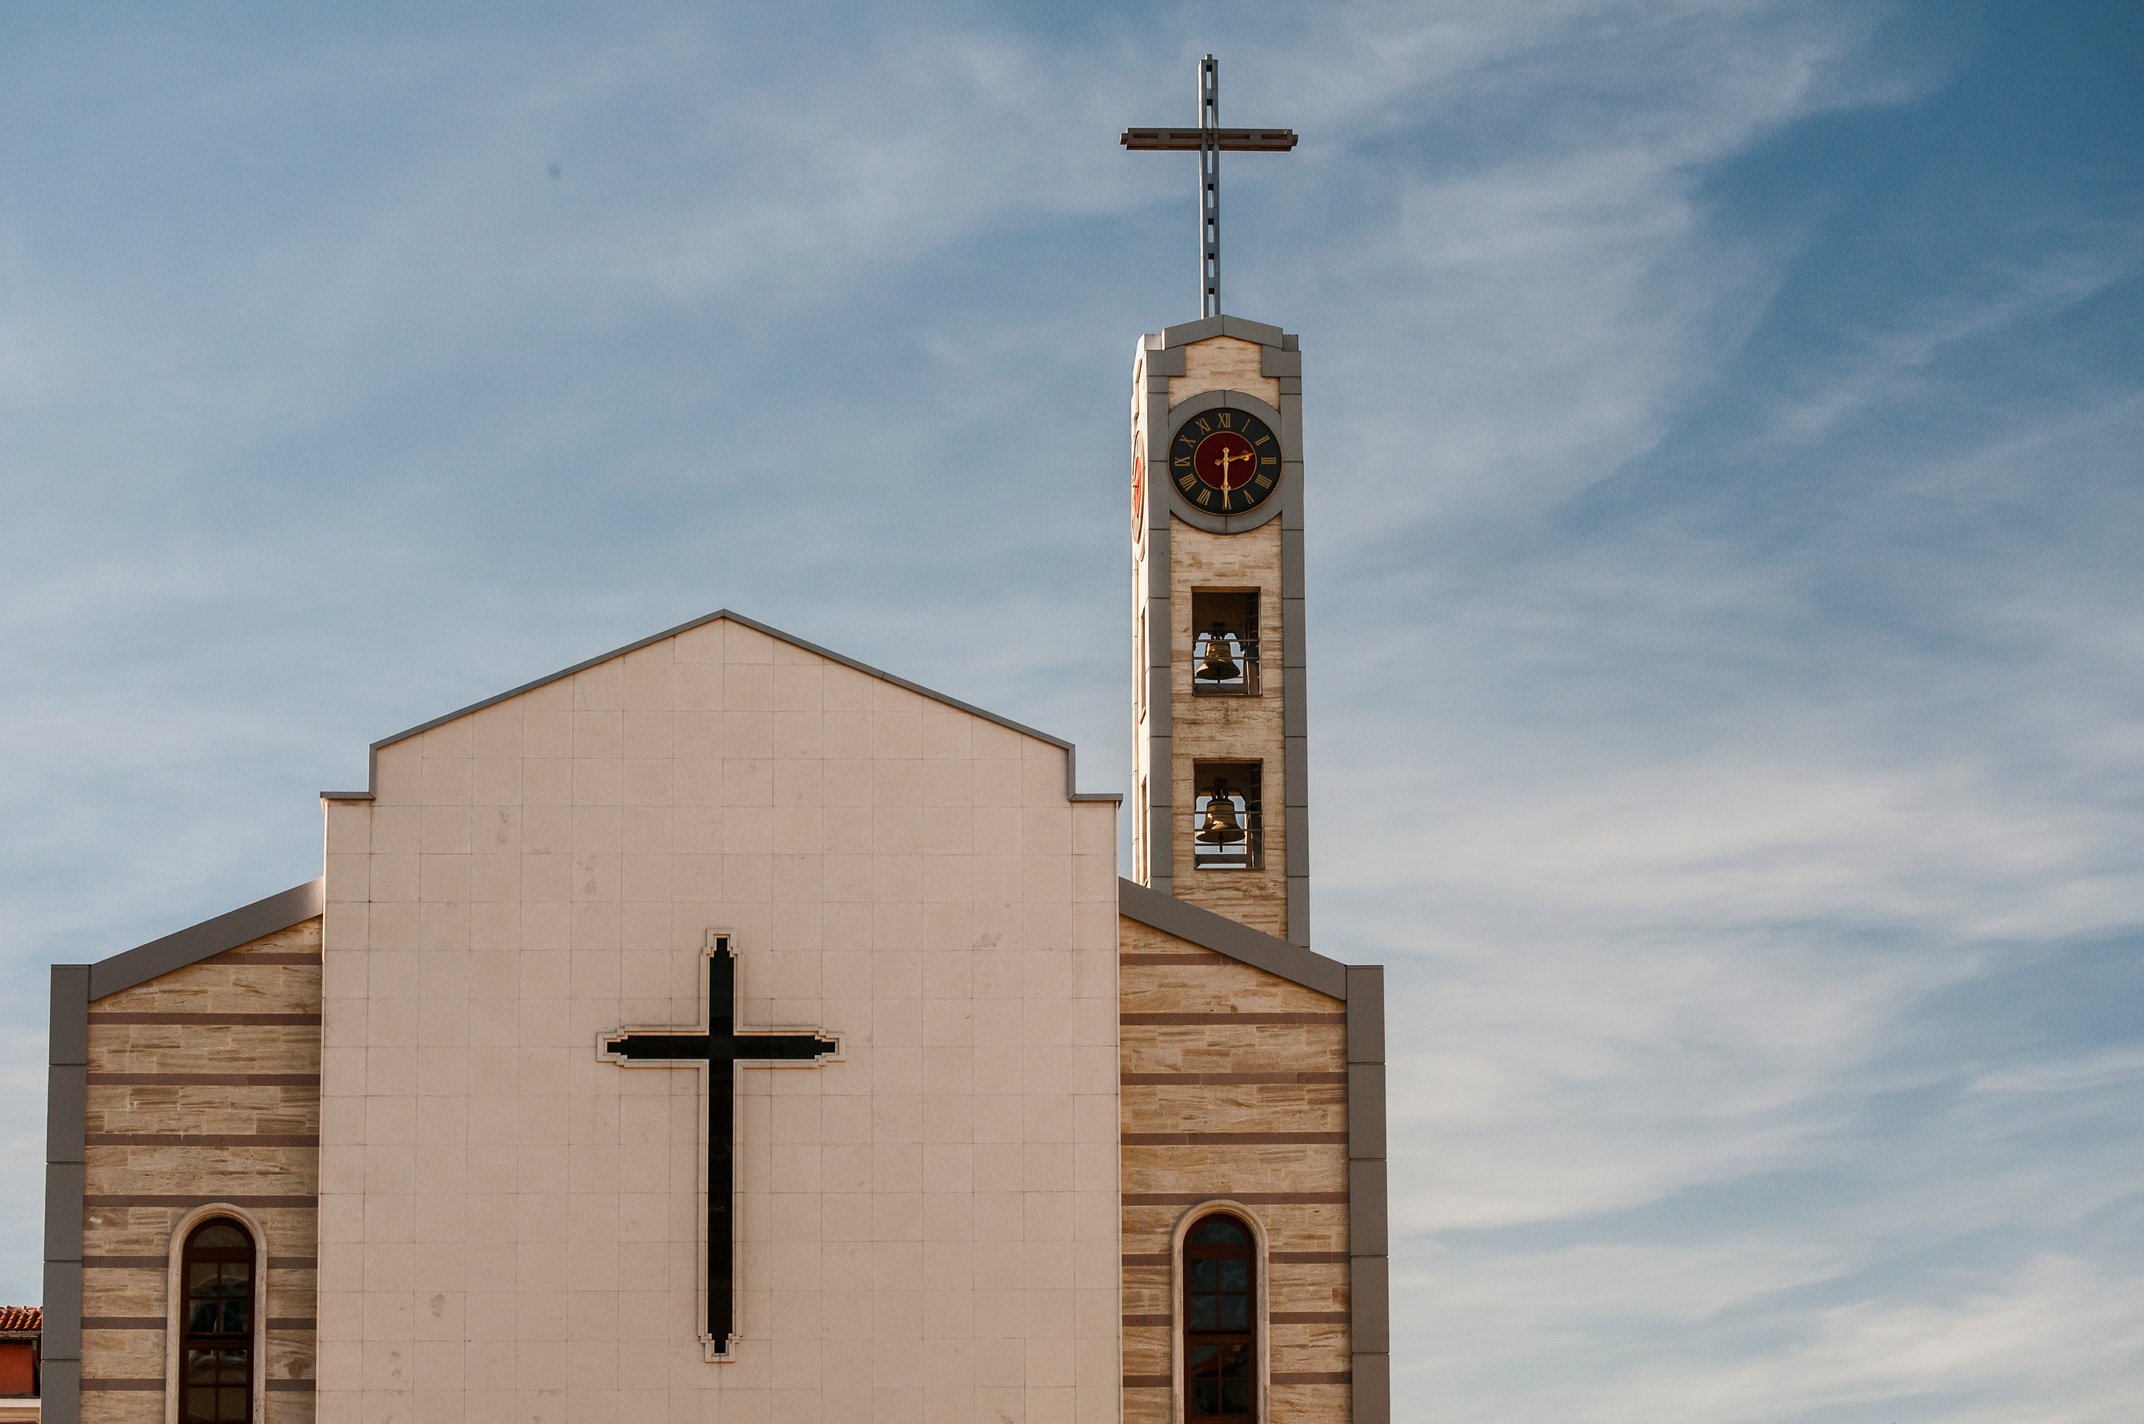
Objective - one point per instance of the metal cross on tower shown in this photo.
(1209, 140)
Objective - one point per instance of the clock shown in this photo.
(1224, 461)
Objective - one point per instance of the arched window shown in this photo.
(216, 1327)
(1220, 1323)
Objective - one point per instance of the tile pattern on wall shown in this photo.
(928, 1227)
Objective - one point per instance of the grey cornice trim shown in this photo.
(66, 1111)
(1184, 333)
(1239, 942)
(1072, 791)
(211, 937)
(1161, 360)
(1368, 1218)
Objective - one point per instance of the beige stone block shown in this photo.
(122, 1292)
(446, 780)
(547, 781)
(398, 775)
(1266, 1107)
(122, 1354)
(394, 878)
(601, 687)
(495, 781)
(746, 645)
(199, 1108)
(1216, 985)
(1233, 1048)
(443, 878)
(547, 721)
(598, 781)
(1147, 1350)
(1232, 1167)
(1297, 1286)
(444, 830)
(180, 1048)
(349, 926)
(547, 830)
(798, 687)
(224, 985)
(122, 1406)
(1306, 1347)
(648, 782)
(749, 687)
(647, 677)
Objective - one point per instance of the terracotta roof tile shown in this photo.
(16, 1318)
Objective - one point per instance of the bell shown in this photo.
(1220, 826)
(1217, 665)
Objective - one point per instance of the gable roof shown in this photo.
(1072, 791)
(1231, 939)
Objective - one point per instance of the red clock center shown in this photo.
(1225, 460)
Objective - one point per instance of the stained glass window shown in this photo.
(216, 1339)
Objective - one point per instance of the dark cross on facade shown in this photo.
(1209, 140)
(719, 1049)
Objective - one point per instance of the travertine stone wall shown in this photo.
(203, 1086)
(1224, 363)
(1234, 1088)
(1230, 728)
(511, 1227)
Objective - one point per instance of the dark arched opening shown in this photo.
(1220, 1322)
(216, 1360)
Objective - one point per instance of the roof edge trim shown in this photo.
(1225, 936)
(1206, 327)
(211, 937)
(1072, 791)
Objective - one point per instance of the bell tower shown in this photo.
(1219, 768)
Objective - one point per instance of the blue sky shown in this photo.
(1724, 427)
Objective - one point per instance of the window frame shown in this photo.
(1261, 1312)
(1246, 778)
(175, 1310)
(1233, 603)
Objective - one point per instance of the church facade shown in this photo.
(723, 1030)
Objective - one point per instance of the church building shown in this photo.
(723, 1030)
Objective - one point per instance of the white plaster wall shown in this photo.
(930, 1227)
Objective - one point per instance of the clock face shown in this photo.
(1224, 461)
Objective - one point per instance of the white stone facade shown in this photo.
(510, 1228)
